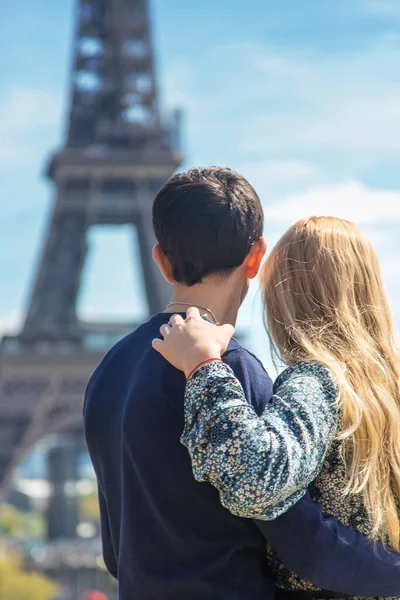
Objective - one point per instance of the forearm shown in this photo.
(260, 465)
(333, 557)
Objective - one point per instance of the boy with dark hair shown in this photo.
(214, 212)
(164, 535)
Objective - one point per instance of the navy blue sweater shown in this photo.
(167, 536)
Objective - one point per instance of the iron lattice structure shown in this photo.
(116, 155)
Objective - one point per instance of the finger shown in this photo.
(175, 320)
(193, 313)
(165, 329)
(157, 344)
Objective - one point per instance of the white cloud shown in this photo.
(176, 86)
(347, 104)
(10, 323)
(272, 172)
(340, 110)
(390, 8)
(25, 111)
(349, 200)
(122, 313)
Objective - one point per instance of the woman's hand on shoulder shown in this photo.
(188, 342)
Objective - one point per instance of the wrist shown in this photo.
(201, 364)
(199, 355)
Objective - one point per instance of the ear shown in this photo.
(255, 257)
(162, 263)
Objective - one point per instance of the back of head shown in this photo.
(206, 221)
(325, 301)
(323, 277)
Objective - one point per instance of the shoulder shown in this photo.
(236, 353)
(120, 348)
(249, 370)
(311, 374)
(128, 357)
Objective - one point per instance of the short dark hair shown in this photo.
(206, 220)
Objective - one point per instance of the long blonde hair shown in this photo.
(325, 301)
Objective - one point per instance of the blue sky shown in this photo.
(302, 97)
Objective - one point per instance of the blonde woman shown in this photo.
(329, 322)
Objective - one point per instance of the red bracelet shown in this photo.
(204, 362)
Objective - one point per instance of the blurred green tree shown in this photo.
(18, 584)
(20, 525)
(89, 506)
(10, 520)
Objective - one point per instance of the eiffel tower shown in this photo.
(117, 154)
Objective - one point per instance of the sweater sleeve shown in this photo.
(260, 465)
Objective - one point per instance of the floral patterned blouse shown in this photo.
(262, 465)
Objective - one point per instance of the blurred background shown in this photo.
(301, 98)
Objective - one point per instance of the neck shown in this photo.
(222, 296)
